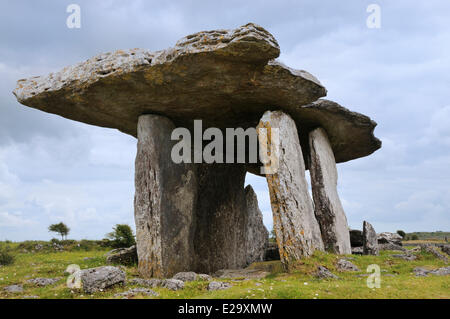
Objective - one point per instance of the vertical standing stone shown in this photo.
(370, 242)
(164, 202)
(257, 234)
(221, 218)
(327, 206)
(296, 228)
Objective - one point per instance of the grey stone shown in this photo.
(186, 276)
(218, 285)
(327, 205)
(443, 271)
(94, 279)
(13, 288)
(241, 273)
(407, 257)
(172, 284)
(356, 238)
(204, 277)
(164, 202)
(391, 246)
(257, 234)
(323, 273)
(124, 256)
(137, 291)
(434, 251)
(30, 297)
(296, 228)
(43, 281)
(370, 244)
(345, 265)
(145, 282)
(445, 248)
(389, 238)
(423, 272)
(229, 78)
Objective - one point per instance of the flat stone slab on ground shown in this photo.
(13, 288)
(218, 285)
(96, 279)
(137, 291)
(43, 281)
(241, 273)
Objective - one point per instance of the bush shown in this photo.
(401, 233)
(6, 258)
(121, 236)
(414, 237)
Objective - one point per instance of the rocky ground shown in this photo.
(42, 275)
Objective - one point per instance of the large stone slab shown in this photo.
(327, 205)
(164, 202)
(297, 231)
(257, 234)
(228, 78)
(220, 239)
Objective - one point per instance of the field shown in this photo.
(397, 278)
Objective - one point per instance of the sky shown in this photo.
(53, 169)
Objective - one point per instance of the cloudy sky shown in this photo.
(53, 169)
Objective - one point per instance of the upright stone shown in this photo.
(257, 234)
(327, 206)
(296, 228)
(370, 243)
(164, 202)
(221, 218)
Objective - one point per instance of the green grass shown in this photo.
(300, 283)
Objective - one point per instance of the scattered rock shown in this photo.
(87, 258)
(42, 282)
(30, 297)
(218, 285)
(324, 273)
(14, 288)
(423, 272)
(445, 248)
(357, 250)
(356, 238)
(185, 276)
(407, 257)
(241, 273)
(172, 284)
(94, 279)
(154, 282)
(137, 291)
(272, 252)
(434, 251)
(391, 246)
(345, 265)
(123, 256)
(370, 244)
(389, 238)
(204, 277)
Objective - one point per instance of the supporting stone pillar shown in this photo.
(164, 202)
(221, 216)
(327, 206)
(296, 228)
(257, 234)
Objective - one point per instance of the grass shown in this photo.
(299, 284)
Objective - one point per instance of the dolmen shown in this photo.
(205, 112)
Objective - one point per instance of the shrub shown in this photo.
(6, 258)
(414, 237)
(121, 236)
(401, 233)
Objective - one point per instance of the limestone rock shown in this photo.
(434, 251)
(370, 244)
(345, 265)
(296, 228)
(323, 273)
(389, 238)
(241, 273)
(42, 282)
(13, 288)
(445, 248)
(228, 78)
(94, 279)
(356, 238)
(218, 285)
(357, 250)
(407, 257)
(327, 205)
(423, 272)
(137, 291)
(390, 246)
(164, 202)
(172, 284)
(124, 256)
(257, 234)
(152, 283)
(185, 276)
